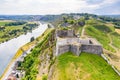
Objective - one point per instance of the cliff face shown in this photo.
(46, 61)
(46, 58)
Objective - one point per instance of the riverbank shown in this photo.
(20, 51)
(25, 47)
(9, 48)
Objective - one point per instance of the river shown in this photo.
(9, 48)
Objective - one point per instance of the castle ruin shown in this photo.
(68, 41)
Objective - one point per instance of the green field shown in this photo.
(84, 67)
(14, 30)
(2, 23)
(100, 32)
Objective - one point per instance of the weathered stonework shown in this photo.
(95, 49)
(76, 49)
(67, 41)
(63, 48)
(65, 33)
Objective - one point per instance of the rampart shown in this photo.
(67, 41)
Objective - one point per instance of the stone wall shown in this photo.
(76, 49)
(95, 49)
(65, 33)
(62, 49)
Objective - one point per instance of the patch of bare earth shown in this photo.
(117, 30)
(116, 62)
(114, 58)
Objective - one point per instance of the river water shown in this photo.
(9, 48)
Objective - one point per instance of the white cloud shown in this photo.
(49, 6)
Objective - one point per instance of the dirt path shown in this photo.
(116, 49)
(83, 31)
(116, 56)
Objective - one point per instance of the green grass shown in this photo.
(116, 39)
(80, 30)
(100, 33)
(84, 67)
(2, 23)
(44, 77)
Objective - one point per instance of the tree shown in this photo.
(65, 19)
(32, 39)
(17, 75)
(49, 26)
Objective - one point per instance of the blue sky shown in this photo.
(40, 7)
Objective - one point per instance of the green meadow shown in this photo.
(84, 67)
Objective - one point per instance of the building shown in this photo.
(68, 41)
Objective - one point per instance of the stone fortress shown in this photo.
(68, 41)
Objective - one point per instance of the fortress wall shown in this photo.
(72, 40)
(95, 49)
(84, 41)
(65, 33)
(62, 49)
(76, 49)
(66, 41)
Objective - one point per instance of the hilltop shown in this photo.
(42, 63)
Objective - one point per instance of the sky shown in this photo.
(43, 7)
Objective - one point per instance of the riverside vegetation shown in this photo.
(10, 29)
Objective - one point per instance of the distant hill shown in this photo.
(113, 16)
(56, 19)
(47, 18)
(16, 17)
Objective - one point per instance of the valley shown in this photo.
(60, 40)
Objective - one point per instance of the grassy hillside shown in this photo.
(101, 32)
(101, 36)
(115, 39)
(107, 35)
(85, 67)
